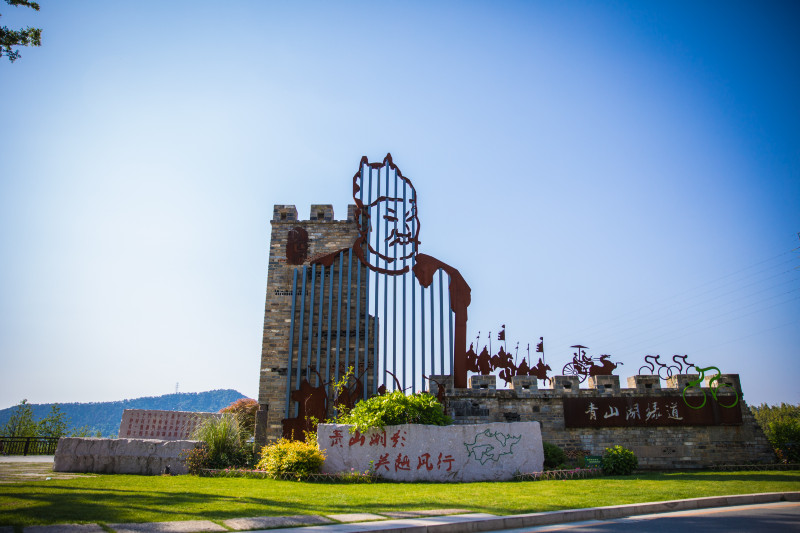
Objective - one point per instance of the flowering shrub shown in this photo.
(289, 458)
(619, 461)
(196, 459)
(244, 409)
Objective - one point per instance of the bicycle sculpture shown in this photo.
(681, 366)
(583, 366)
(714, 386)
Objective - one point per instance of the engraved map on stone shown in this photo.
(491, 446)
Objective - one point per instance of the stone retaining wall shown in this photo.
(120, 456)
(666, 447)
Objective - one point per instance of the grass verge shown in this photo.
(120, 498)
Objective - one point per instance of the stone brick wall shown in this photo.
(672, 447)
(325, 235)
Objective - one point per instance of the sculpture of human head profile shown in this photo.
(389, 227)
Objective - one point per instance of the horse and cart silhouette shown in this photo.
(584, 366)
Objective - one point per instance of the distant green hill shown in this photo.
(106, 416)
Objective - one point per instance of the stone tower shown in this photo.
(293, 244)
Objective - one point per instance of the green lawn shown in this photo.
(117, 498)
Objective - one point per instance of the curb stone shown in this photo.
(356, 517)
(65, 528)
(455, 523)
(267, 522)
(482, 522)
(181, 526)
(607, 513)
(431, 512)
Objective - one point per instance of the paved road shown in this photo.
(770, 517)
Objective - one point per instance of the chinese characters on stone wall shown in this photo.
(424, 461)
(163, 425)
(644, 411)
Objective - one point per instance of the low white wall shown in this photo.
(413, 452)
(120, 456)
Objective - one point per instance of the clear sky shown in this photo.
(623, 175)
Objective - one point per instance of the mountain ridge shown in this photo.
(105, 417)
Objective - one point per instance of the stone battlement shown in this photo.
(665, 428)
(604, 385)
(317, 213)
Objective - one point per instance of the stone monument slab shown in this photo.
(414, 452)
(157, 424)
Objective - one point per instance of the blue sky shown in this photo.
(623, 175)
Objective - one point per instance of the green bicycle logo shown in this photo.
(713, 384)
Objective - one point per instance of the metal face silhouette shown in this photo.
(389, 224)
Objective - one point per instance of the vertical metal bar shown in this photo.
(319, 318)
(385, 287)
(450, 312)
(358, 317)
(330, 315)
(300, 335)
(433, 330)
(377, 226)
(422, 330)
(311, 318)
(375, 349)
(403, 229)
(394, 285)
(349, 294)
(339, 315)
(291, 341)
(414, 298)
(441, 319)
(366, 290)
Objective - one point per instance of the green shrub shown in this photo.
(785, 438)
(291, 458)
(781, 425)
(396, 408)
(619, 461)
(553, 456)
(222, 437)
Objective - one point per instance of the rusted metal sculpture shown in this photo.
(540, 371)
(664, 371)
(440, 392)
(584, 367)
(312, 405)
(485, 364)
(392, 251)
(348, 396)
(297, 246)
(683, 366)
